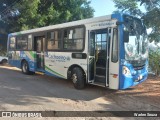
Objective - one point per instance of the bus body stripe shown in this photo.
(32, 54)
(54, 72)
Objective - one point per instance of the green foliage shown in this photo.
(154, 61)
(39, 13)
(127, 6)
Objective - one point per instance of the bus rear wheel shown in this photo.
(25, 68)
(78, 78)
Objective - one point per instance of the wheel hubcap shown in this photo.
(74, 78)
(24, 67)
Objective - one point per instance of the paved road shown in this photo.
(19, 92)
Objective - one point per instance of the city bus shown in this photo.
(109, 51)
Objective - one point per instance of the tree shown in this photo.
(17, 15)
(154, 61)
(151, 17)
(127, 6)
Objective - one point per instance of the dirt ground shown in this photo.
(42, 93)
(145, 96)
(148, 91)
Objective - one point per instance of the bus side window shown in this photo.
(12, 43)
(73, 39)
(114, 57)
(29, 42)
(22, 43)
(78, 38)
(54, 40)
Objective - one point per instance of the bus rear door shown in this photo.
(39, 48)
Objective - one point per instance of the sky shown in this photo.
(102, 7)
(106, 7)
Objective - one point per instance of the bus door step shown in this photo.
(101, 71)
(100, 79)
(41, 73)
(98, 84)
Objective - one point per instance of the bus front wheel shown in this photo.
(78, 78)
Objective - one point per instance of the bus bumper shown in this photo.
(129, 81)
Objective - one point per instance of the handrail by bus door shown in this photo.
(91, 57)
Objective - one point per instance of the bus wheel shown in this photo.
(25, 68)
(78, 78)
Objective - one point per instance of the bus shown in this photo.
(109, 51)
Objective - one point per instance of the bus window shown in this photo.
(29, 42)
(12, 44)
(54, 40)
(101, 41)
(115, 46)
(104, 38)
(73, 39)
(22, 43)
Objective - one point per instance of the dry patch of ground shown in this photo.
(147, 92)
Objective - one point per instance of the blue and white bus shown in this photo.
(109, 51)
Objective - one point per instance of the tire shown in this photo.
(78, 78)
(25, 68)
(4, 61)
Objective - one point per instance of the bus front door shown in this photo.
(39, 48)
(98, 57)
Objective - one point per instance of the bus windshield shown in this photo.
(136, 49)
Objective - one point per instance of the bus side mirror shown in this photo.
(126, 36)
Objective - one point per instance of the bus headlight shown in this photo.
(126, 71)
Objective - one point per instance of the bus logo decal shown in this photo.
(58, 58)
